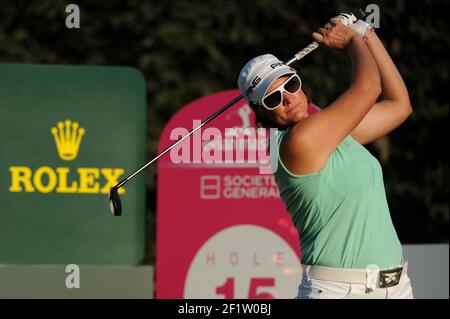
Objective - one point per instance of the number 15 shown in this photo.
(227, 289)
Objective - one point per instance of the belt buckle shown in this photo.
(390, 277)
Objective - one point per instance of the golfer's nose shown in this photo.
(287, 99)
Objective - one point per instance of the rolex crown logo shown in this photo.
(67, 137)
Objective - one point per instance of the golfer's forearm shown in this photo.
(366, 77)
(392, 85)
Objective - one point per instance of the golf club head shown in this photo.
(114, 202)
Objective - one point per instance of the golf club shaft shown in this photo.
(209, 119)
(297, 57)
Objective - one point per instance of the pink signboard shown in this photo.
(222, 229)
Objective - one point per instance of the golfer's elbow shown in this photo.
(406, 103)
(403, 104)
(406, 109)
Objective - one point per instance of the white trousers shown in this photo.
(318, 289)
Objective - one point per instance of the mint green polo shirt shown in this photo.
(341, 212)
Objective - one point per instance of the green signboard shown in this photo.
(69, 133)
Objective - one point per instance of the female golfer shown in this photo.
(331, 185)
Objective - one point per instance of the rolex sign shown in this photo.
(68, 134)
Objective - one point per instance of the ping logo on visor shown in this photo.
(251, 88)
(275, 65)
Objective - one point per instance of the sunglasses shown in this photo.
(274, 99)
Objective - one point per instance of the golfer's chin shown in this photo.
(297, 116)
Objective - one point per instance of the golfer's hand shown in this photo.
(334, 35)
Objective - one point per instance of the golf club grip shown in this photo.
(308, 49)
(301, 54)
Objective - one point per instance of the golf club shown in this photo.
(114, 199)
